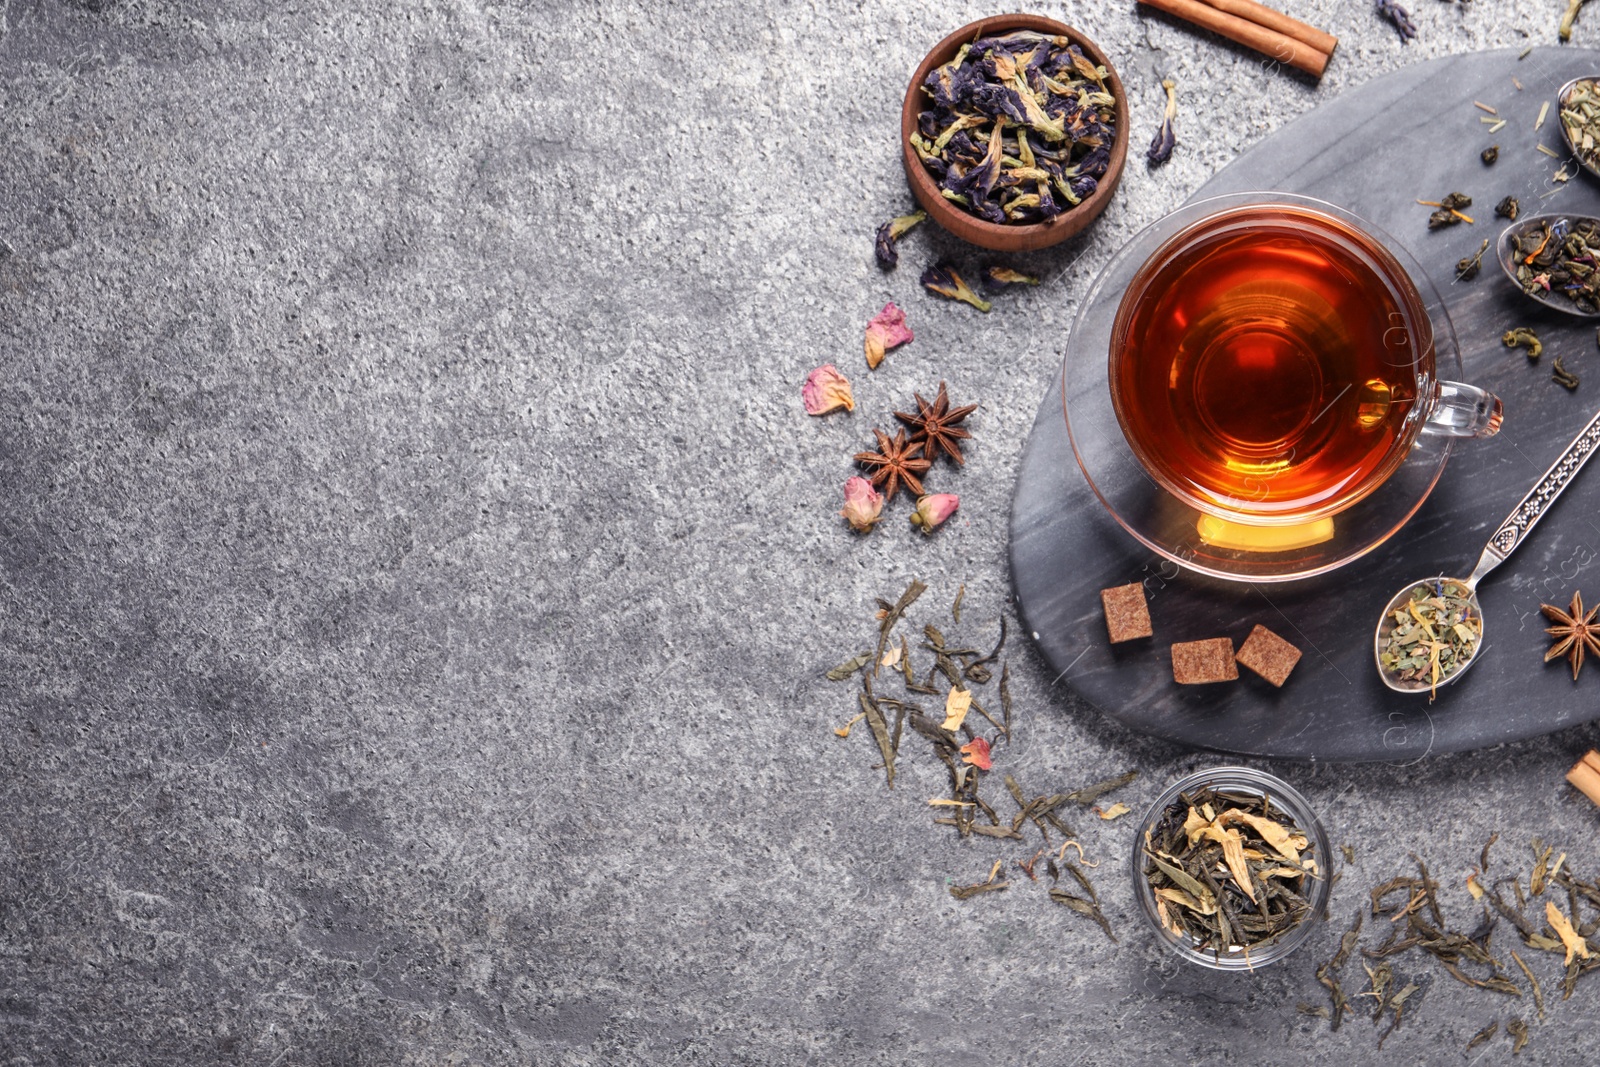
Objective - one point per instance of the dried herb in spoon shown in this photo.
(1435, 633)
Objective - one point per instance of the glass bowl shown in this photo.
(1193, 536)
(1281, 795)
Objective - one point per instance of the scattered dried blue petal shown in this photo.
(943, 280)
(998, 278)
(1398, 15)
(889, 233)
(1166, 138)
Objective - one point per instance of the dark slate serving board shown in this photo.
(1375, 150)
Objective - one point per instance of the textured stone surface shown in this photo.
(416, 569)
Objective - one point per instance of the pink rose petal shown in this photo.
(827, 390)
(886, 330)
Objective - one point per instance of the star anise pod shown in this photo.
(936, 426)
(897, 462)
(1576, 634)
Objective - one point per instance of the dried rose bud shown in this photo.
(887, 330)
(933, 509)
(827, 390)
(863, 505)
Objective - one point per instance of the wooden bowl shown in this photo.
(992, 235)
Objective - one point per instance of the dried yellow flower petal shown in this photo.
(1576, 946)
(956, 706)
(1114, 811)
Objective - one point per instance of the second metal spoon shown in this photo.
(1505, 540)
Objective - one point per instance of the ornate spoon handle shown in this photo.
(1527, 514)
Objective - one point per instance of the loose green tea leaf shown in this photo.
(1449, 213)
(892, 614)
(1508, 208)
(1522, 337)
(955, 608)
(1483, 1035)
(1562, 376)
(1516, 1027)
(849, 667)
(1538, 994)
(1490, 154)
(1089, 794)
(880, 730)
(1468, 267)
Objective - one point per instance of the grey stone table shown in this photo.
(417, 571)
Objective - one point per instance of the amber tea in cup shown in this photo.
(1267, 362)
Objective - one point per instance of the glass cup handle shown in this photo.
(1464, 411)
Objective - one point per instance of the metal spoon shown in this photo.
(1505, 251)
(1522, 519)
(1563, 95)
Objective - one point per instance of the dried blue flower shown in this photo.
(998, 278)
(943, 280)
(889, 233)
(1013, 124)
(1398, 15)
(1166, 139)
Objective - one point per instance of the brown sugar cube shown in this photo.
(1586, 775)
(1200, 662)
(1127, 616)
(1268, 655)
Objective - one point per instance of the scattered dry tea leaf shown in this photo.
(1518, 1031)
(956, 706)
(1483, 1035)
(849, 667)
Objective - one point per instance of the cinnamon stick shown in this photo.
(1586, 775)
(1262, 15)
(1270, 43)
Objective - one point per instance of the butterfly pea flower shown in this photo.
(1166, 139)
(827, 390)
(933, 509)
(997, 278)
(889, 233)
(887, 330)
(863, 505)
(944, 280)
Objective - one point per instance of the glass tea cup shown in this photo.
(1253, 386)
